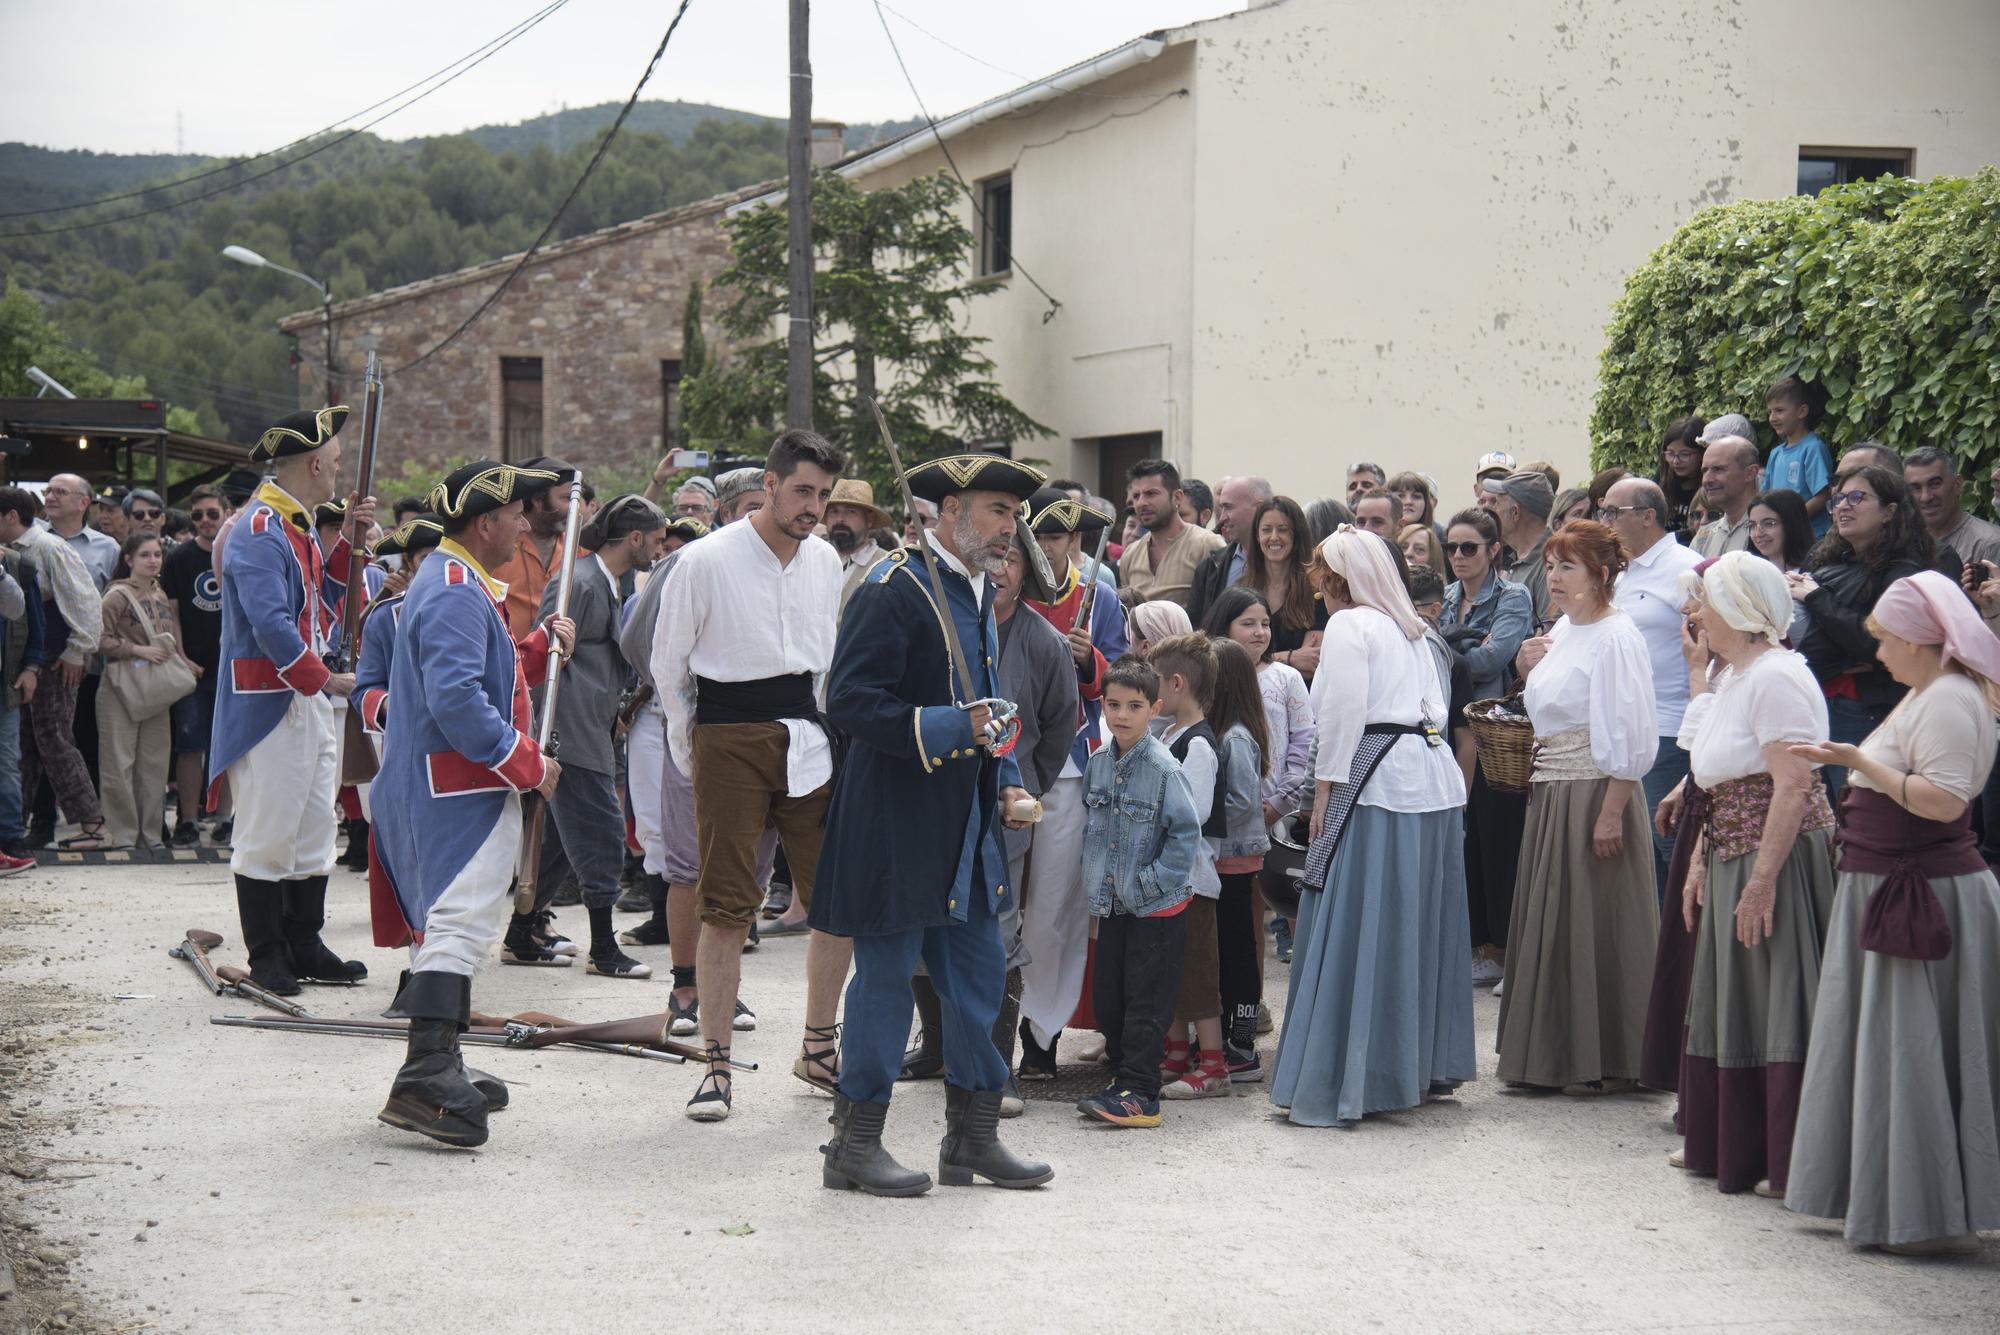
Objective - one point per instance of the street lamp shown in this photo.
(245, 255)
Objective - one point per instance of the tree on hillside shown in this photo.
(889, 297)
(1883, 295)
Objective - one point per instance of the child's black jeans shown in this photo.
(1138, 978)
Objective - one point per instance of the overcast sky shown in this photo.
(248, 75)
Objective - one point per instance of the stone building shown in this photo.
(581, 357)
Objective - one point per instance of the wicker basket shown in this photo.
(1506, 743)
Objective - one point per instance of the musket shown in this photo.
(961, 666)
(194, 948)
(534, 810)
(1096, 573)
(243, 985)
(391, 1029)
(358, 762)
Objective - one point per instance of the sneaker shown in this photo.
(635, 900)
(683, 1020)
(652, 932)
(1200, 1083)
(1245, 1068)
(1265, 1024)
(777, 900)
(1281, 937)
(187, 835)
(10, 865)
(568, 895)
(220, 832)
(744, 1020)
(1011, 1102)
(1121, 1107)
(615, 963)
(1486, 972)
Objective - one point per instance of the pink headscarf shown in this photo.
(1363, 560)
(1927, 608)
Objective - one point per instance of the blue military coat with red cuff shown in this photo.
(278, 597)
(458, 739)
(378, 653)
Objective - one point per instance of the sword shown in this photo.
(1003, 712)
(534, 810)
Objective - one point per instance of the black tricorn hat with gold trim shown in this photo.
(687, 528)
(484, 486)
(329, 512)
(412, 535)
(1052, 511)
(935, 479)
(300, 433)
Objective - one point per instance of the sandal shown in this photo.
(89, 838)
(711, 1097)
(820, 1067)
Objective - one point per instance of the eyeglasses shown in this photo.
(1850, 498)
(137, 513)
(1608, 513)
(1464, 548)
(1682, 456)
(208, 514)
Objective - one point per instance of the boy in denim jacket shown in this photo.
(1140, 843)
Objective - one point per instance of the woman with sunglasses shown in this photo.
(1877, 539)
(1485, 619)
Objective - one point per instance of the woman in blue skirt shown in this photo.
(1379, 1015)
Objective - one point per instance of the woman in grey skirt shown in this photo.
(1901, 1107)
(1580, 940)
(1763, 877)
(1379, 1015)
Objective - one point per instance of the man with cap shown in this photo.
(1492, 464)
(1520, 503)
(738, 493)
(457, 755)
(1055, 913)
(526, 573)
(851, 520)
(108, 515)
(277, 727)
(744, 632)
(585, 830)
(912, 868)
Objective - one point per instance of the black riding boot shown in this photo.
(260, 910)
(305, 914)
(491, 1087)
(855, 1159)
(925, 1061)
(355, 856)
(431, 1094)
(971, 1146)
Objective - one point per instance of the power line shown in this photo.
(478, 57)
(971, 195)
(528, 254)
(998, 69)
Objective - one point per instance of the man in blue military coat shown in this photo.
(911, 867)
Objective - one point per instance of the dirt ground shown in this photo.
(158, 1173)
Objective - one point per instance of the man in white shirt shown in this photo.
(746, 629)
(1649, 592)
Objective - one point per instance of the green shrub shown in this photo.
(1884, 295)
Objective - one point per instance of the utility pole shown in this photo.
(798, 152)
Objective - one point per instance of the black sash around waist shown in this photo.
(763, 701)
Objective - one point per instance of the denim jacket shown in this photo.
(1242, 798)
(1506, 612)
(1141, 830)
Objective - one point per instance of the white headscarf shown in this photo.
(1750, 594)
(1373, 580)
(1161, 620)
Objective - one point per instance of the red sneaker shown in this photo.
(10, 865)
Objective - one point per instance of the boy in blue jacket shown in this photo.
(1140, 842)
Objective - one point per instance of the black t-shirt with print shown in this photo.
(188, 576)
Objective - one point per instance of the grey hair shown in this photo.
(1381, 478)
(1926, 455)
(1887, 457)
(1648, 496)
(1260, 487)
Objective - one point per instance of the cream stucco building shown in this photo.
(1319, 231)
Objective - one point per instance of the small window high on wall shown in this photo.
(520, 409)
(1823, 167)
(996, 225)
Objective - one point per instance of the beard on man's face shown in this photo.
(843, 538)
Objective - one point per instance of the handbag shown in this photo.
(148, 690)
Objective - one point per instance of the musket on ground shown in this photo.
(393, 1029)
(534, 809)
(1003, 712)
(243, 985)
(358, 762)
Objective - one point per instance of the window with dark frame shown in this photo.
(996, 231)
(670, 402)
(520, 409)
(1820, 168)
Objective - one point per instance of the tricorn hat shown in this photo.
(412, 535)
(1052, 511)
(484, 486)
(329, 512)
(300, 433)
(935, 479)
(687, 528)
